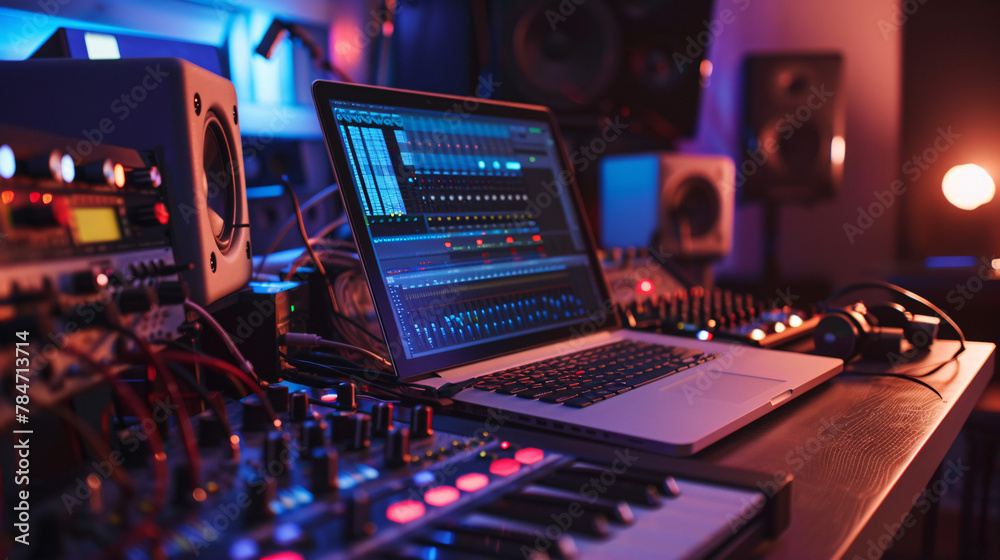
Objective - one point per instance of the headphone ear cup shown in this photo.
(841, 334)
(891, 315)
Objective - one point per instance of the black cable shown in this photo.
(287, 226)
(912, 378)
(319, 263)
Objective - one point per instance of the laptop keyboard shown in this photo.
(593, 375)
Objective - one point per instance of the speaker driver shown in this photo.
(697, 206)
(569, 62)
(220, 184)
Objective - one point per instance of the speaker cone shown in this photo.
(696, 206)
(220, 183)
(566, 62)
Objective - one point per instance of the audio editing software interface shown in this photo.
(475, 236)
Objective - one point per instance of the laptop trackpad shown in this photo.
(732, 388)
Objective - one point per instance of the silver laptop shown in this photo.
(484, 276)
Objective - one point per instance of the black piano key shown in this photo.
(562, 548)
(620, 489)
(615, 510)
(664, 483)
(587, 523)
(471, 541)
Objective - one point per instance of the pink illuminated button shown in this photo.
(529, 455)
(405, 511)
(441, 496)
(472, 482)
(504, 467)
(283, 556)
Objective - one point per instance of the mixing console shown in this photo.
(326, 483)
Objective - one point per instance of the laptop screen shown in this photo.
(468, 226)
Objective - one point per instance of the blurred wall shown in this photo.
(814, 242)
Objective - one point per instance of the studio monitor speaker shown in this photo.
(185, 115)
(697, 196)
(680, 204)
(793, 128)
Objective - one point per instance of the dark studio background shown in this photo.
(910, 68)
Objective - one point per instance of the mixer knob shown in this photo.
(278, 395)
(98, 172)
(359, 516)
(346, 395)
(313, 436)
(420, 422)
(260, 507)
(324, 470)
(255, 416)
(212, 431)
(340, 427)
(382, 419)
(299, 408)
(139, 299)
(146, 178)
(397, 448)
(278, 453)
(360, 426)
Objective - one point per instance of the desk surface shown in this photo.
(861, 450)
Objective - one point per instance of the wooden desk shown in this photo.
(861, 450)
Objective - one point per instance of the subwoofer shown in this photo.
(792, 143)
(184, 116)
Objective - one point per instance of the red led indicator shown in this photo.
(504, 467)
(404, 512)
(7, 197)
(161, 213)
(645, 286)
(441, 496)
(329, 397)
(504, 445)
(529, 455)
(510, 240)
(536, 238)
(472, 482)
(479, 242)
(447, 244)
(34, 197)
(287, 555)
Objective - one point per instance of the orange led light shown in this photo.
(119, 175)
(7, 197)
(46, 198)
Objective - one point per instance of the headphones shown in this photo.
(878, 332)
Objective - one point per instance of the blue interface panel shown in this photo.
(475, 234)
